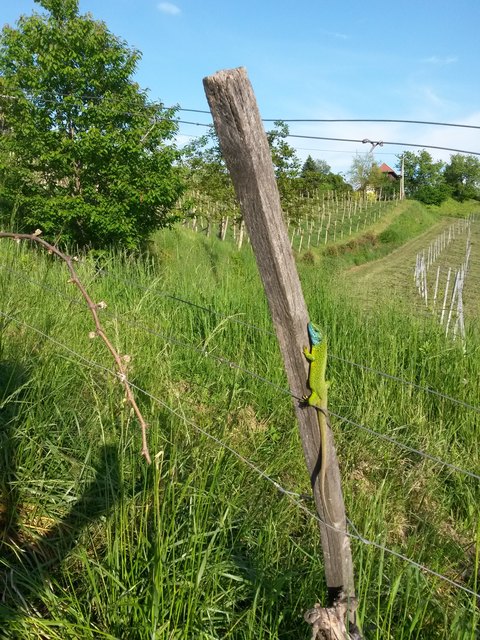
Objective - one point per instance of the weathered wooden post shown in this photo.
(246, 152)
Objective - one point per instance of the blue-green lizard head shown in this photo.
(314, 334)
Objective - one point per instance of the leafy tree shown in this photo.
(286, 165)
(84, 155)
(314, 174)
(205, 168)
(365, 172)
(323, 168)
(205, 171)
(462, 175)
(317, 175)
(284, 157)
(424, 178)
(309, 166)
(360, 173)
(382, 183)
(320, 167)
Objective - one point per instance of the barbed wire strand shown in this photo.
(292, 496)
(287, 392)
(407, 447)
(289, 494)
(232, 364)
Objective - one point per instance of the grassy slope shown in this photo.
(391, 277)
(199, 546)
(406, 221)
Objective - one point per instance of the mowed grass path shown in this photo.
(391, 278)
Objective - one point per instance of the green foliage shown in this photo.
(284, 156)
(204, 169)
(424, 178)
(383, 184)
(310, 167)
(456, 209)
(361, 170)
(413, 221)
(462, 175)
(286, 165)
(84, 154)
(60, 9)
(365, 173)
(316, 175)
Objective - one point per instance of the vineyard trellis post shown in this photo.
(244, 146)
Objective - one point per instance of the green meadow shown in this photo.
(201, 544)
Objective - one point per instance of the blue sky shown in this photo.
(364, 59)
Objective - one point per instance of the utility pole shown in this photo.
(402, 180)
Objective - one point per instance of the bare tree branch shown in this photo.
(99, 331)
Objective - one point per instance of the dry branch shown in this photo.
(99, 331)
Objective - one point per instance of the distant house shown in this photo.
(389, 172)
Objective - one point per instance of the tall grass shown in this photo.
(98, 545)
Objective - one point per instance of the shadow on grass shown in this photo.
(26, 565)
(13, 379)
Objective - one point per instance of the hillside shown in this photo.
(393, 276)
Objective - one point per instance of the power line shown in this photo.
(383, 142)
(161, 105)
(378, 120)
(312, 137)
(377, 153)
(391, 120)
(289, 494)
(357, 140)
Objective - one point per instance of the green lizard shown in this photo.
(317, 357)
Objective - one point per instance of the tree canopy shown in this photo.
(361, 170)
(317, 175)
(462, 175)
(205, 167)
(83, 154)
(424, 178)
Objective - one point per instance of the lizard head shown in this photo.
(314, 334)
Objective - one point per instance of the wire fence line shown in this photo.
(284, 390)
(291, 495)
(407, 447)
(230, 363)
(364, 367)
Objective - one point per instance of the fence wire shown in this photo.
(292, 496)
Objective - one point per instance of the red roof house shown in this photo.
(388, 171)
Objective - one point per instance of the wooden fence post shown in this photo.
(246, 152)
